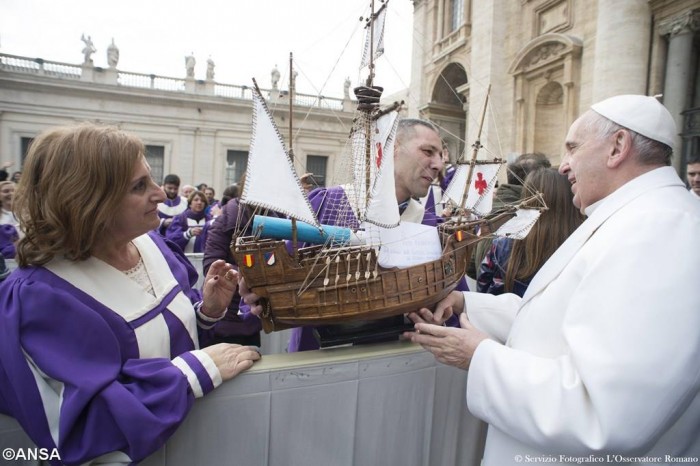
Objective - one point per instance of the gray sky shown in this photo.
(244, 38)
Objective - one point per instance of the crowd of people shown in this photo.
(569, 348)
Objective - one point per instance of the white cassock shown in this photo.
(602, 354)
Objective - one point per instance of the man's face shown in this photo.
(417, 162)
(584, 163)
(209, 193)
(694, 177)
(171, 190)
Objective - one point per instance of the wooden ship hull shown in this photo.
(341, 285)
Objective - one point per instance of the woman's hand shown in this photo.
(218, 289)
(230, 359)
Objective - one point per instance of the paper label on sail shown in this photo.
(519, 226)
(407, 245)
(271, 181)
(378, 34)
(480, 194)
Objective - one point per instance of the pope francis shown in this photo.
(600, 359)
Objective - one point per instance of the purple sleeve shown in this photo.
(176, 231)
(108, 402)
(218, 244)
(8, 236)
(322, 199)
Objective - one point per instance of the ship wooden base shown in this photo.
(334, 286)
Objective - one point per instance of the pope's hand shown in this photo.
(452, 346)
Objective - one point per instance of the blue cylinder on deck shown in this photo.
(281, 228)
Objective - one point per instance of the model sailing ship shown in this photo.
(343, 279)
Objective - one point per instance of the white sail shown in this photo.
(519, 226)
(480, 194)
(377, 35)
(271, 181)
(383, 208)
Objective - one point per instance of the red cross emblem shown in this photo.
(480, 184)
(379, 155)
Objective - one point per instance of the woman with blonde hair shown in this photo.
(510, 265)
(101, 326)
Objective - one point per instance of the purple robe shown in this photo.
(8, 237)
(234, 327)
(321, 199)
(92, 364)
(170, 208)
(178, 231)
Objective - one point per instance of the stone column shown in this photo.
(418, 57)
(488, 67)
(621, 48)
(677, 82)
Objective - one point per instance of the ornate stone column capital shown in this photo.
(685, 23)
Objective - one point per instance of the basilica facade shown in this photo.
(546, 62)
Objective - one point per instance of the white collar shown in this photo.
(113, 288)
(634, 184)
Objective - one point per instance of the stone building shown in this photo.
(198, 129)
(547, 61)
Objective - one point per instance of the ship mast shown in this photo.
(370, 84)
(475, 151)
(295, 245)
(370, 25)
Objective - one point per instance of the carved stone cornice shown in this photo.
(545, 49)
(544, 53)
(687, 22)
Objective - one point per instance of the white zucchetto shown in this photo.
(642, 114)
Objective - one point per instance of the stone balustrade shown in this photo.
(87, 72)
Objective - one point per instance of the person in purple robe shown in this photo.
(238, 325)
(189, 229)
(100, 326)
(417, 162)
(172, 205)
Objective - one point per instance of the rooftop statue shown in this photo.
(88, 50)
(112, 55)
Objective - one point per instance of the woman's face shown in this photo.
(198, 204)
(138, 212)
(6, 194)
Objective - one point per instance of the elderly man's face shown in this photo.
(694, 177)
(187, 190)
(418, 160)
(584, 163)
